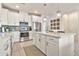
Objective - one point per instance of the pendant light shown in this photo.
(45, 11)
(45, 19)
(58, 12)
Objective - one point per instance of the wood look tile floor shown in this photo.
(18, 48)
(32, 50)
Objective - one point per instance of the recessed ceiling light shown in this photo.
(35, 11)
(45, 4)
(17, 6)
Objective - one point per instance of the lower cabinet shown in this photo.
(43, 44)
(52, 49)
(6, 49)
(34, 38)
(38, 41)
(54, 45)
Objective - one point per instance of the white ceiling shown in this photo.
(51, 8)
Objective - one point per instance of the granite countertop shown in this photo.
(4, 37)
(56, 34)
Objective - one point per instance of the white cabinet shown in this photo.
(52, 46)
(55, 45)
(16, 19)
(13, 18)
(36, 18)
(3, 16)
(43, 43)
(5, 45)
(38, 41)
(34, 38)
(52, 49)
(30, 35)
(23, 17)
(10, 18)
(30, 20)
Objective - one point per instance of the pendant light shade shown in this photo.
(58, 13)
(45, 19)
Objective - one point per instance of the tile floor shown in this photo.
(18, 48)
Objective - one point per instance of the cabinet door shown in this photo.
(16, 19)
(38, 40)
(10, 18)
(52, 49)
(34, 38)
(30, 35)
(3, 16)
(43, 44)
(13, 18)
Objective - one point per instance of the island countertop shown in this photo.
(3, 38)
(56, 34)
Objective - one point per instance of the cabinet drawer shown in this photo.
(52, 49)
(43, 37)
(53, 39)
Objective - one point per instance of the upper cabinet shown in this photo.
(30, 20)
(3, 16)
(36, 18)
(24, 17)
(13, 18)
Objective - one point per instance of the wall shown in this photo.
(70, 22)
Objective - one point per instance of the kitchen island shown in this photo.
(55, 44)
(5, 44)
